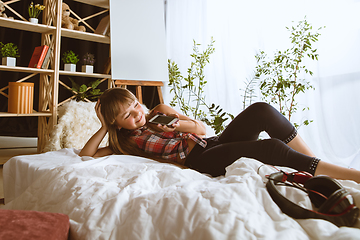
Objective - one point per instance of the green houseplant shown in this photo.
(189, 91)
(249, 96)
(282, 76)
(70, 60)
(9, 53)
(83, 92)
(34, 12)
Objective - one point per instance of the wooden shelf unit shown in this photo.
(85, 36)
(26, 69)
(82, 74)
(26, 26)
(51, 34)
(34, 114)
(138, 87)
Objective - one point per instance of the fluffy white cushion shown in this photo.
(77, 122)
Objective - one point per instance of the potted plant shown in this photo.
(70, 60)
(189, 92)
(84, 92)
(282, 76)
(88, 63)
(9, 52)
(34, 12)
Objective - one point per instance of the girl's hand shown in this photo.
(166, 128)
(186, 123)
(98, 113)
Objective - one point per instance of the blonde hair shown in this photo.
(119, 139)
(111, 102)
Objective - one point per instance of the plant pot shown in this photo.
(70, 67)
(21, 96)
(34, 20)
(87, 68)
(9, 61)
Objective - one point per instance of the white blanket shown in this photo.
(126, 197)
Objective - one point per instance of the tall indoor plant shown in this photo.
(189, 91)
(282, 76)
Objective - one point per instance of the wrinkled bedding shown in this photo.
(127, 197)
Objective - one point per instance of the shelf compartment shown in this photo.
(41, 28)
(26, 69)
(85, 36)
(26, 26)
(34, 114)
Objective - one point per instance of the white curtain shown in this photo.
(241, 28)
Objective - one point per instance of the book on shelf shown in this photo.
(104, 26)
(46, 59)
(38, 56)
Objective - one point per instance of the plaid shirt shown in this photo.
(166, 145)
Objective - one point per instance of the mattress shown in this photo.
(127, 197)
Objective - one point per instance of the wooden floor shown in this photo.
(14, 146)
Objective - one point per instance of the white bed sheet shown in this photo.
(126, 197)
(21, 171)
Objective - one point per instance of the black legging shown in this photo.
(240, 139)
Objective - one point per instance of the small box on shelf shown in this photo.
(87, 68)
(70, 67)
(9, 61)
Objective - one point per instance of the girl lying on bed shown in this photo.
(183, 143)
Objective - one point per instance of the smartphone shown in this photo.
(163, 120)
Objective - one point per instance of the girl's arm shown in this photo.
(186, 124)
(91, 148)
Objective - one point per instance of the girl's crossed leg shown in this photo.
(285, 148)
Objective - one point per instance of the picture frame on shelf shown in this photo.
(104, 26)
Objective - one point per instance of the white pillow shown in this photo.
(77, 122)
